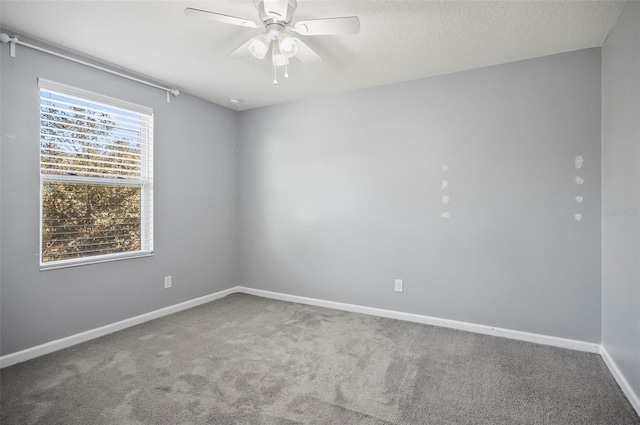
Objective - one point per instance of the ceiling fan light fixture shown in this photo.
(277, 18)
(287, 45)
(259, 46)
(277, 57)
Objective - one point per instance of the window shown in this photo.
(96, 177)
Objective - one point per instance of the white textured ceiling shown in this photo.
(398, 41)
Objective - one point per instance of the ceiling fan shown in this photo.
(276, 17)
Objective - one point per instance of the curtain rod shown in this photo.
(5, 38)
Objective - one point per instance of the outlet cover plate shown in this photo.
(399, 285)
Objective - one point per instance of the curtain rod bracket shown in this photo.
(4, 38)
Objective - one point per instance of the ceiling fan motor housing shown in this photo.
(275, 17)
(274, 29)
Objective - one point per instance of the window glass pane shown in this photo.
(85, 139)
(84, 220)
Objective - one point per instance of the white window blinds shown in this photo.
(96, 171)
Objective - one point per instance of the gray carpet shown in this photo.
(251, 360)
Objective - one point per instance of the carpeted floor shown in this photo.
(251, 360)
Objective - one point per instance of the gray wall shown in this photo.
(621, 194)
(195, 210)
(340, 195)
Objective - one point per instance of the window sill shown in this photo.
(85, 261)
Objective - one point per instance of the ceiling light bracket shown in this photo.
(235, 102)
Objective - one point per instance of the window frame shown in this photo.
(145, 182)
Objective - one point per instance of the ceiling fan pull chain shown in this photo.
(286, 71)
(275, 76)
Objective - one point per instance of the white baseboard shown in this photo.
(634, 398)
(59, 344)
(428, 320)
(49, 347)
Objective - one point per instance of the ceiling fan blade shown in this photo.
(305, 53)
(328, 26)
(218, 17)
(241, 52)
(276, 9)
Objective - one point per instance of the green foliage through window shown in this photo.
(84, 219)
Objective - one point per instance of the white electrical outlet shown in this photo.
(399, 285)
(167, 282)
